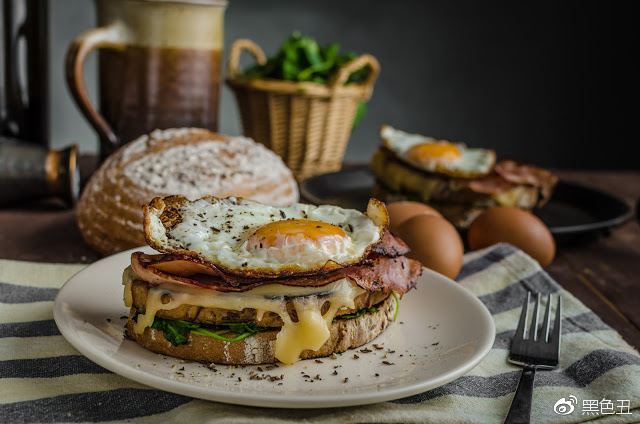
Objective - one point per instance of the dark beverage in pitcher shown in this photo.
(144, 88)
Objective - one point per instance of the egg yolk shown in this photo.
(289, 240)
(434, 152)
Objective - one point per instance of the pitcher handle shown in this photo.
(81, 46)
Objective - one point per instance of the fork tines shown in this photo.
(537, 346)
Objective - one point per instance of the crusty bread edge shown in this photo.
(260, 349)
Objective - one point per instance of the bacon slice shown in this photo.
(510, 173)
(518, 172)
(143, 265)
(380, 272)
(490, 184)
(391, 246)
(383, 268)
(377, 272)
(521, 173)
(144, 268)
(176, 265)
(188, 265)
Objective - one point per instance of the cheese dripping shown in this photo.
(310, 332)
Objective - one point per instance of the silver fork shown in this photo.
(534, 351)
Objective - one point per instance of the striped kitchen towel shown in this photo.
(44, 379)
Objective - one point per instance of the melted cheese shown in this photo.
(310, 332)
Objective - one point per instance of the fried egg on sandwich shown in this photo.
(249, 238)
(439, 156)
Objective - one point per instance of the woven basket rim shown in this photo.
(335, 87)
(307, 88)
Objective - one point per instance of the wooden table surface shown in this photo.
(601, 269)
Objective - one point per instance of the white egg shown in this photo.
(441, 156)
(247, 237)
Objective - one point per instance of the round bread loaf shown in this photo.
(260, 348)
(192, 162)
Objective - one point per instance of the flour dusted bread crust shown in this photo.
(260, 348)
(192, 162)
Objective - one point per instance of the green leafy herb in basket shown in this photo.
(301, 58)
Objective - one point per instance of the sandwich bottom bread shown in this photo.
(238, 282)
(348, 332)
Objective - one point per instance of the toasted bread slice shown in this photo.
(260, 349)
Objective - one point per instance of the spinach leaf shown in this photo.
(176, 331)
(301, 58)
(242, 330)
(371, 310)
(357, 313)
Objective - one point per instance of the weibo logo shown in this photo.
(565, 407)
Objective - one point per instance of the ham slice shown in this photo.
(145, 268)
(518, 172)
(391, 246)
(376, 272)
(490, 184)
(509, 173)
(382, 273)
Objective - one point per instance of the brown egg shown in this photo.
(515, 226)
(399, 212)
(435, 242)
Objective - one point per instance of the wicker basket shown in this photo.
(306, 123)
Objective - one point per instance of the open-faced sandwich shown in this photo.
(240, 282)
(460, 182)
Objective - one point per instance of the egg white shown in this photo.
(218, 229)
(473, 162)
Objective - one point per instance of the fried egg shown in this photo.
(440, 156)
(245, 237)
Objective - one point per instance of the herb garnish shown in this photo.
(301, 58)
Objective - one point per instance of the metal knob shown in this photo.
(30, 171)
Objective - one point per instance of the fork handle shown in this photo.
(520, 410)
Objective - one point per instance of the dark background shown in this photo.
(545, 82)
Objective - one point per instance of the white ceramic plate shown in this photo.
(442, 331)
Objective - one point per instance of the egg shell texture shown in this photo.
(434, 242)
(514, 226)
(399, 212)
